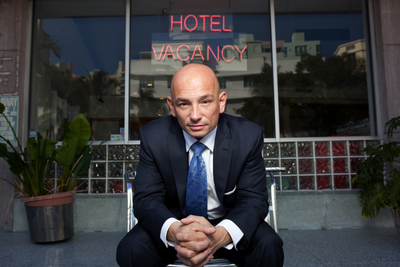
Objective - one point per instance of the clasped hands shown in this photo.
(197, 240)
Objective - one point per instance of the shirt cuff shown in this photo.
(234, 231)
(164, 231)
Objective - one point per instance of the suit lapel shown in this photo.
(222, 156)
(179, 160)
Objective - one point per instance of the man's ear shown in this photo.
(171, 106)
(222, 101)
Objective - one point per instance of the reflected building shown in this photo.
(153, 72)
(356, 48)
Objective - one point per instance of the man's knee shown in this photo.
(138, 249)
(269, 244)
(134, 247)
(270, 238)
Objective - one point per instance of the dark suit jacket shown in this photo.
(160, 183)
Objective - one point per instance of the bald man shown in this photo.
(236, 199)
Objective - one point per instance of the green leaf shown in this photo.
(2, 108)
(16, 164)
(392, 125)
(3, 150)
(47, 147)
(32, 146)
(84, 163)
(79, 131)
(66, 153)
(75, 139)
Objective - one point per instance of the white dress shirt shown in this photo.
(215, 208)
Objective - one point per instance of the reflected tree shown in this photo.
(314, 99)
(260, 107)
(58, 94)
(145, 108)
(102, 84)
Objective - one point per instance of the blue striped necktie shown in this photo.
(196, 188)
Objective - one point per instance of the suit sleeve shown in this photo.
(149, 196)
(251, 206)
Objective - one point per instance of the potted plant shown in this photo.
(49, 203)
(378, 178)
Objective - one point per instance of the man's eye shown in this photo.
(182, 104)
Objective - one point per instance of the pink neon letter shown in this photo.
(204, 21)
(177, 52)
(214, 23)
(166, 52)
(177, 22)
(222, 53)
(155, 54)
(194, 53)
(195, 27)
(208, 53)
(223, 25)
(240, 52)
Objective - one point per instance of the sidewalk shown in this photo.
(350, 247)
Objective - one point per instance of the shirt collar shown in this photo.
(207, 140)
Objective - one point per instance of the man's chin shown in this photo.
(197, 134)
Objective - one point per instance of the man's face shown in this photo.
(196, 101)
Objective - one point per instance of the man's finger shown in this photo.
(192, 235)
(195, 246)
(199, 259)
(192, 218)
(203, 224)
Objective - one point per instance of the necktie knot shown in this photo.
(198, 148)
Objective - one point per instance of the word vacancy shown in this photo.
(184, 52)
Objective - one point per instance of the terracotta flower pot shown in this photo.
(50, 217)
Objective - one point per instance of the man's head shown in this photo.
(195, 99)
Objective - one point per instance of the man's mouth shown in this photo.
(196, 127)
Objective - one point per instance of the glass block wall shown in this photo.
(310, 165)
(106, 173)
(316, 165)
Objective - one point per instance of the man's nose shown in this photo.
(195, 115)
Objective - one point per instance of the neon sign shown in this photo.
(185, 52)
(214, 22)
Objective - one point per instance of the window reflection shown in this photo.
(231, 44)
(323, 86)
(78, 63)
(77, 66)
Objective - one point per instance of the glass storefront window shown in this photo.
(322, 63)
(231, 39)
(324, 83)
(77, 65)
(320, 87)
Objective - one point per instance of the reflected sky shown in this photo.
(89, 43)
(331, 29)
